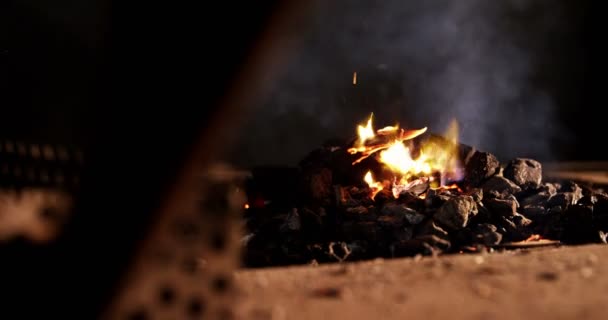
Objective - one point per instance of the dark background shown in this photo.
(133, 82)
(523, 78)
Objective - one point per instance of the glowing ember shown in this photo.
(388, 144)
(246, 206)
(355, 78)
(374, 185)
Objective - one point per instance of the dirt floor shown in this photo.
(543, 283)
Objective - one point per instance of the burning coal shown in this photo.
(399, 192)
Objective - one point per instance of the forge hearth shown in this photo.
(333, 208)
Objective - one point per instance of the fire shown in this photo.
(374, 185)
(398, 158)
(366, 132)
(390, 146)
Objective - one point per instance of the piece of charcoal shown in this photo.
(412, 201)
(483, 214)
(515, 228)
(412, 217)
(539, 199)
(320, 185)
(588, 200)
(486, 234)
(563, 199)
(384, 196)
(526, 173)
(401, 213)
(311, 221)
(570, 186)
(431, 228)
(454, 214)
(403, 233)
(520, 220)
(550, 188)
(361, 213)
(391, 221)
(412, 247)
(292, 222)
(501, 207)
(501, 185)
(435, 241)
(600, 211)
(476, 193)
(434, 200)
(579, 225)
(534, 212)
(480, 167)
(360, 230)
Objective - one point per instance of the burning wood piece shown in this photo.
(416, 187)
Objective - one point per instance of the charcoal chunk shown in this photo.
(578, 225)
(539, 199)
(456, 212)
(320, 185)
(549, 188)
(413, 218)
(588, 200)
(408, 248)
(412, 201)
(563, 199)
(501, 185)
(570, 186)
(501, 207)
(526, 173)
(480, 166)
(400, 213)
(403, 233)
(476, 193)
(534, 212)
(292, 221)
(486, 234)
(360, 230)
(520, 220)
(516, 228)
(426, 245)
(361, 213)
(600, 211)
(437, 242)
(431, 228)
(391, 221)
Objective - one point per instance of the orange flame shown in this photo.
(374, 185)
(388, 142)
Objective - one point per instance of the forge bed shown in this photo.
(541, 283)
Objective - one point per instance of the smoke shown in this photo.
(419, 63)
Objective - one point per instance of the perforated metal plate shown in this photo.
(184, 269)
(37, 182)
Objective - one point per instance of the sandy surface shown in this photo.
(547, 283)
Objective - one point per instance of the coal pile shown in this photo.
(322, 211)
